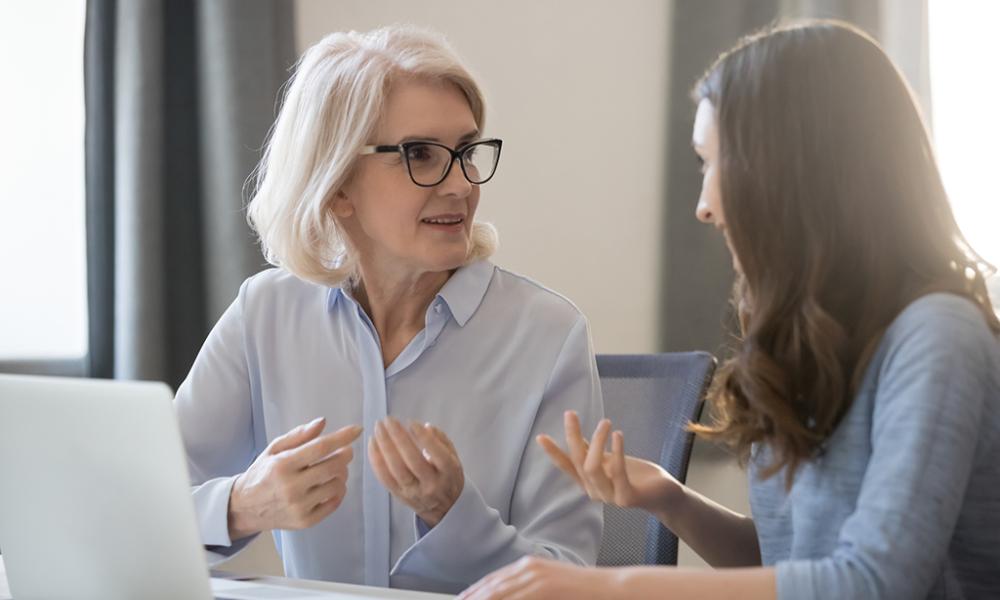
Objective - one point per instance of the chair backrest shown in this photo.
(651, 398)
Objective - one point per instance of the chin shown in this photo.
(447, 259)
(445, 263)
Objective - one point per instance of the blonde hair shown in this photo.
(331, 108)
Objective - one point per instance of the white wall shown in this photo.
(577, 91)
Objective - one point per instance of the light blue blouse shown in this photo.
(498, 362)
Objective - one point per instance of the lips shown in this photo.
(444, 220)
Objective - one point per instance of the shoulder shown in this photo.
(938, 351)
(938, 326)
(277, 288)
(533, 301)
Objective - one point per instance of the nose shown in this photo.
(455, 184)
(703, 212)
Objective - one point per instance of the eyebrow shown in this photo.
(426, 138)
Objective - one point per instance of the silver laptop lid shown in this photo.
(94, 492)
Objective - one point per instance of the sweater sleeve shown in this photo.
(929, 402)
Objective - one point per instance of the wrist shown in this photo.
(436, 514)
(239, 523)
(669, 503)
(432, 517)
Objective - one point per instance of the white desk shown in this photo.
(336, 590)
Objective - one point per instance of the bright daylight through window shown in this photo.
(42, 242)
(965, 92)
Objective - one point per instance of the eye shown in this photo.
(470, 152)
(419, 153)
(701, 163)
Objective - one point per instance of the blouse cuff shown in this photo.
(211, 502)
(443, 553)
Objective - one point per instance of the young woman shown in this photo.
(865, 395)
(385, 317)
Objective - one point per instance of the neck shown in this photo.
(396, 301)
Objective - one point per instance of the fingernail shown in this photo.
(315, 421)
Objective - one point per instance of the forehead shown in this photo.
(420, 108)
(704, 131)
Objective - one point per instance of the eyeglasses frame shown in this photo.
(455, 154)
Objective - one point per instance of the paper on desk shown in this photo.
(244, 590)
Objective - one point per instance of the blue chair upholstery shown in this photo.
(651, 398)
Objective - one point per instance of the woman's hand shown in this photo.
(295, 483)
(532, 578)
(612, 477)
(419, 465)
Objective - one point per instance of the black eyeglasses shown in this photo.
(429, 163)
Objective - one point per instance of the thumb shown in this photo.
(297, 436)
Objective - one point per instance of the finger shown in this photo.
(332, 467)
(441, 437)
(619, 473)
(535, 590)
(321, 511)
(593, 466)
(323, 493)
(379, 467)
(393, 461)
(295, 437)
(412, 455)
(316, 450)
(574, 440)
(485, 587)
(559, 458)
(334, 496)
(436, 451)
(510, 587)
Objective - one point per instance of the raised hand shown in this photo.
(299, 479)
(611, 477)
(419, 465)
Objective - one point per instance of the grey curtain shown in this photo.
(179, 97)
(698, 272)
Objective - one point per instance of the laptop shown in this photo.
(95, 499)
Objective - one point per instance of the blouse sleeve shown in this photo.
(549, 515)
(213, 407)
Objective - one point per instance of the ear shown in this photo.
(341, 205)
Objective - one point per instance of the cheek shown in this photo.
(473, 202)
(391, 208)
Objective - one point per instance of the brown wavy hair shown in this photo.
(837, 214)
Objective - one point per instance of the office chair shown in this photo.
(651, 398)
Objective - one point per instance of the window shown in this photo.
(42, 229)
(965, 99)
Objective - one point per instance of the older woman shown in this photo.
(386, 320)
